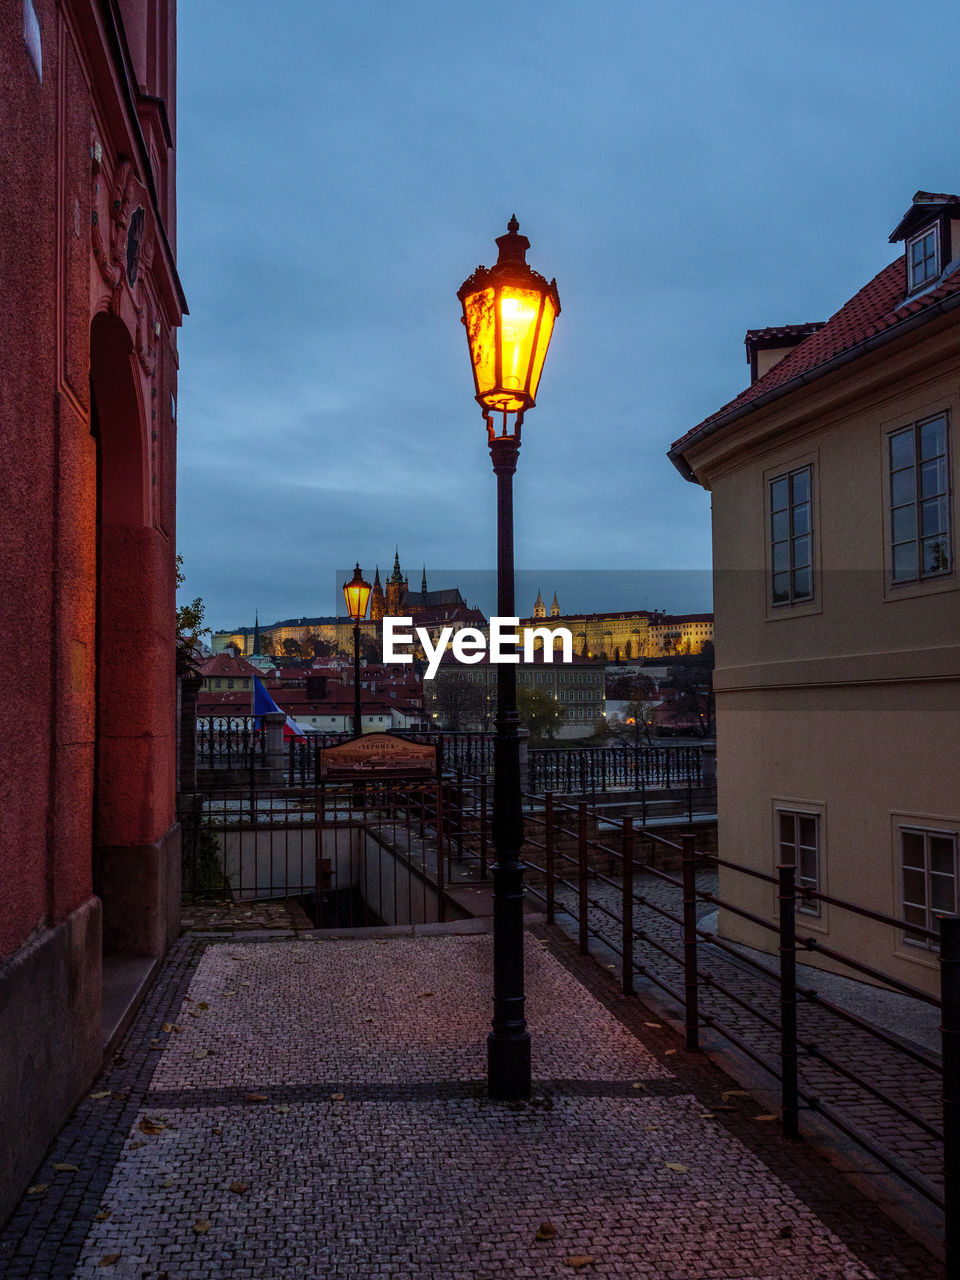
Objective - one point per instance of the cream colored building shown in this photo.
(834, 480)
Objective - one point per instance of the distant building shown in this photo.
(577, 686)
(619, 637)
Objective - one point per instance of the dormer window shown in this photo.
(923, 258)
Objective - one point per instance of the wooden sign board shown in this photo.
(378, 755)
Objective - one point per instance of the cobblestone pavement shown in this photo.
(307, 1107)
(888, 1070)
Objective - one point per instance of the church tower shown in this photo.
(555, 607)
(539, 609)
(396, 589)
(376, 599)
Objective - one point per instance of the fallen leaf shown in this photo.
(201, 1226)
(102, 1216)
(255, 1097)
(545, 1231)
(37, 1188)
(168, 1182)
(677, 1168)
(122, 1094)
(246, 984)
(658, 1025)
(283, 1109)
(611, 966)
(579, 1260)
(336, 1097)
(425, 993)
(192, 1014)
(239, 1187)
(649, 1128)
(167, 1027)
(152, 1127)
(667, 1052)
(101, 1093)
(66, 1168)
(108, 1259)
(203, 1005)
(135, 1146)
(734, 1093)
(188, 999)
(766, 1117)
(708, 1115)
(217, 1131)
(724, 1107)
(368, 1018)
(202, 1053)
(229, 993)
(638, 1085)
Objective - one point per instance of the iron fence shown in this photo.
(656, 935)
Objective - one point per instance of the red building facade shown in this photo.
(89, 847)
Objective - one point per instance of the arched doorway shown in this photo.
(135, 845)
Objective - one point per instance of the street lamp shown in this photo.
(357, 593)
(508, 311)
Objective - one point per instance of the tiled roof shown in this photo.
(784, 331)
(878, 307)
(222, 664)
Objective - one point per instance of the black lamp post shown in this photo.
(357, 593)
(509, 312)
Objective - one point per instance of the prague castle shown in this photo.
(627, 635)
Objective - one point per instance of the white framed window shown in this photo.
(923, 258)
(791, 536)
(928, 879)
(919, 500)
(798, 845)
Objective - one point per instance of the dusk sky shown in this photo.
(686, 172)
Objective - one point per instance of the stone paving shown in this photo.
(890, 1071)
(313, 1107)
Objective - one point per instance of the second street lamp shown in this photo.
(357, 593)
(508, 311)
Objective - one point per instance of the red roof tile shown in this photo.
(879, 306)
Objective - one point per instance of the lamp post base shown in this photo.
(508, 1066)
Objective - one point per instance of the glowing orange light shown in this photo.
(357, 593)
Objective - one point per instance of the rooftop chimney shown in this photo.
(767, 347)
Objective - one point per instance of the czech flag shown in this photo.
(262, 702)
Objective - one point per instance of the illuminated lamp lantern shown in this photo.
(509, 312)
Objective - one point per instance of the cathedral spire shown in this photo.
(256, 636)
(397, 575)
(423, 581)
(539, 610)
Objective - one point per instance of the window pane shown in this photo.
(807, 830)
(786, 828)
(933, 478)
(903, 487)
(904, 523)
(801, 552)
(802, 584)
(905, 562)
(942, 894)
(808, 867)
(911, 848)
(781, 587)
(914, 887)
(934, 516)
(933, 438)
(778, 494)
(901, 450)
(801, 485)
(801, 518)
(781, 556)
(941, 855)
(780, 526)
(936, 558)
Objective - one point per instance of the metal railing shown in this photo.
(594, 883)
(230, 742)
(583, 770)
